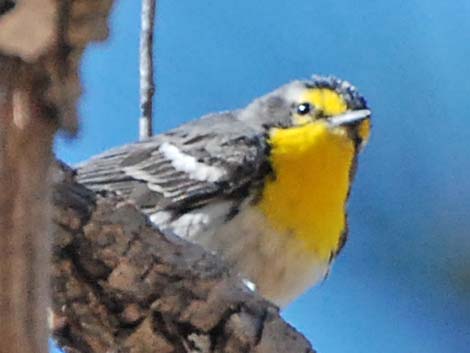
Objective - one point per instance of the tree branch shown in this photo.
(121, 286)
(147, 85)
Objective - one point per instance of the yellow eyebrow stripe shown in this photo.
(326, 100)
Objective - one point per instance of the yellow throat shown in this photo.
(307, 197)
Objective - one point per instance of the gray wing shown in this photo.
(214, 157)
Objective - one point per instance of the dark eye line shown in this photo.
(321, 115)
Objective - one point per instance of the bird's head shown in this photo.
(322, 100)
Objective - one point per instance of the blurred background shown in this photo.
(402, 283)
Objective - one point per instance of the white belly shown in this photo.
(276, 263)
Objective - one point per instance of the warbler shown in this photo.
(265, 187)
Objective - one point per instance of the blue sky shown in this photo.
(403, 280)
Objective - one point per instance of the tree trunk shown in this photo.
(25, 153)
(41, 42)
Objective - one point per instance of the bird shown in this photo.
(265, 187)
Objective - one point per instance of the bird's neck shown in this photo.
(307, 196)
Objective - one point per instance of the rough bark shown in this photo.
(121, 286)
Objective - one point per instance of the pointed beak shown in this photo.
(349, 119)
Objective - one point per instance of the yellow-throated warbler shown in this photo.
(265, 186)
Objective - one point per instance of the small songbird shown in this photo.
(265, 186)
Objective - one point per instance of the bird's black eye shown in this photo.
(304, 108)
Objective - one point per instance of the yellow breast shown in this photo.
(307, 197)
